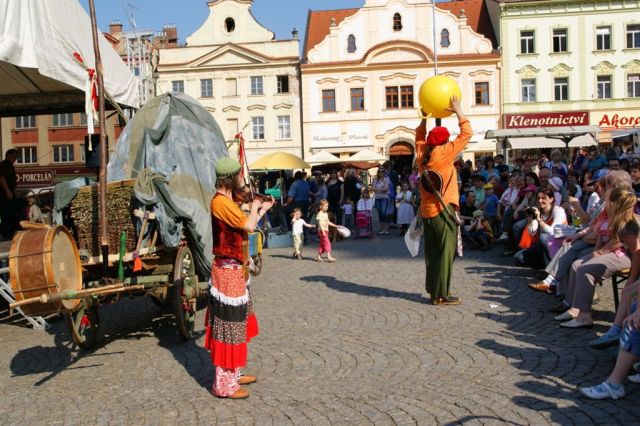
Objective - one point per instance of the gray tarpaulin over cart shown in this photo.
(173, 137)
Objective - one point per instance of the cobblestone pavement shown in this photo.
(347, 343)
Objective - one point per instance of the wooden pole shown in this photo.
(102, 174)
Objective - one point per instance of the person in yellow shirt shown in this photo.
(436, 155)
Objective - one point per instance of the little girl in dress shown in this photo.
(322, 219)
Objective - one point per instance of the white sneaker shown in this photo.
(634, 378)
(603, 391)
(503, 237)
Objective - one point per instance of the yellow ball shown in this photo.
(435, 95)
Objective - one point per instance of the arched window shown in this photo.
(351, 43)
(444, 38)
(229, 25)
(397, 22)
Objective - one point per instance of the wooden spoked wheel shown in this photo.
(84, 325)
(185, 292)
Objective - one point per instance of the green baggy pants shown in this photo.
(440, 241)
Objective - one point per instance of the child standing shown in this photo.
(324, 223)
(297, 226)
(405, 208)
(491, 207)
(347, 213)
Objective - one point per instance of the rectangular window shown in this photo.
(284, 127)
(329, 100)
(604, 87)
(231, 87)
(206, 88)
(27, 155)
(177, 86)
(61, 120)
(527, 42)
(561, 89)
(257, 86)
(392, 97)
(528, 90)
(406, 96)
(633, 86)
(83, 119)
(63, 153)
(560, 40)
(232, 127)
(282, 82)
(257, 125)
(83, 155)
(26, 122)
(603, 38)
(633, 37)
(357, 99)
(482, 93)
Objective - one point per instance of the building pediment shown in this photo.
(604, 67)
(528, 71)
(632, 67)
(399, 132)
(561, 70)
(229, 55)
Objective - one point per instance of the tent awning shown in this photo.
(538, 142)
(323, 157)
(38, 71)
(625, 132)
(366, 155)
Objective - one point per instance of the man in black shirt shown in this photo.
(8, 202)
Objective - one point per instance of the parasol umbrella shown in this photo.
(366, 155)
(280, 161)
(323, 157)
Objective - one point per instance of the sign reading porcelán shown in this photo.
(611, 120)
(549, 119)
(32, 178)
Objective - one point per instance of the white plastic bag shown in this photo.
(413, 236)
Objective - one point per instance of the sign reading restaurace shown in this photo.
(34, 178)
(550, 119)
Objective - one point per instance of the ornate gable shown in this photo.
(561, 70)
(528, 71)
(229, 55)
(603, 68)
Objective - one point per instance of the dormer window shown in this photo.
(444, 38)
(229, 25)
(397, 22)
(351, 43)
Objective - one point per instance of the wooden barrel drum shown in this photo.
(42, 261)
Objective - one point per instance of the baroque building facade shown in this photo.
(362, 69)
(570, 63)
(247, 79)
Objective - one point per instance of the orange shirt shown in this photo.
(224, 209)
(441, 161)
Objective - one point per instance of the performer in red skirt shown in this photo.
(230, 323)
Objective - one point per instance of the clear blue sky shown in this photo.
(280, 16)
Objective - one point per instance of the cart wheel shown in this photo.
(185, 291)
(84, 325)
(257, 265)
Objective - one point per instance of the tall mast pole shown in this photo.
(435, 41)
(102, 175)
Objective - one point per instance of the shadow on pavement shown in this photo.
(556, 360)
(363, 290)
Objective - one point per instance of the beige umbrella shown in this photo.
(323, 157)
(279, 161)
(366, 155)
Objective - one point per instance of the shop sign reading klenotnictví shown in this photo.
(612, 120)
(33, 178)
(549, 119)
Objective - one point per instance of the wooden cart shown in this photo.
(58, 269)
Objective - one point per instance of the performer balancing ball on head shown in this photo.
(230, 323)
(435, 157)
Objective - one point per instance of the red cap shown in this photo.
(438, 136)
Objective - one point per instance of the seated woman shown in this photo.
(540, 224)
(608, 258)
(629, 328)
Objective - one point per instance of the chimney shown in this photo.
(115, 27)
(171, 34)
(333, 22)
(294, 33)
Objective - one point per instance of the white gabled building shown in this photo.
(247, 80)
(362, 69)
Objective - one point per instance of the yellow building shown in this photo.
(242, 75)
(362, 69)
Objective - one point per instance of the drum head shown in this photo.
(67, 270)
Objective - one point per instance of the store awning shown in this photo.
(625, 133)
(545, 137)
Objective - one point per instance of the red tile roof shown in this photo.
(319, 21)
(319, 25)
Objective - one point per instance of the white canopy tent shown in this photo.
(323, 157)
(38, 71)
(544, 137)
(366, 155)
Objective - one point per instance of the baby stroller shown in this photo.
(364, 227)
